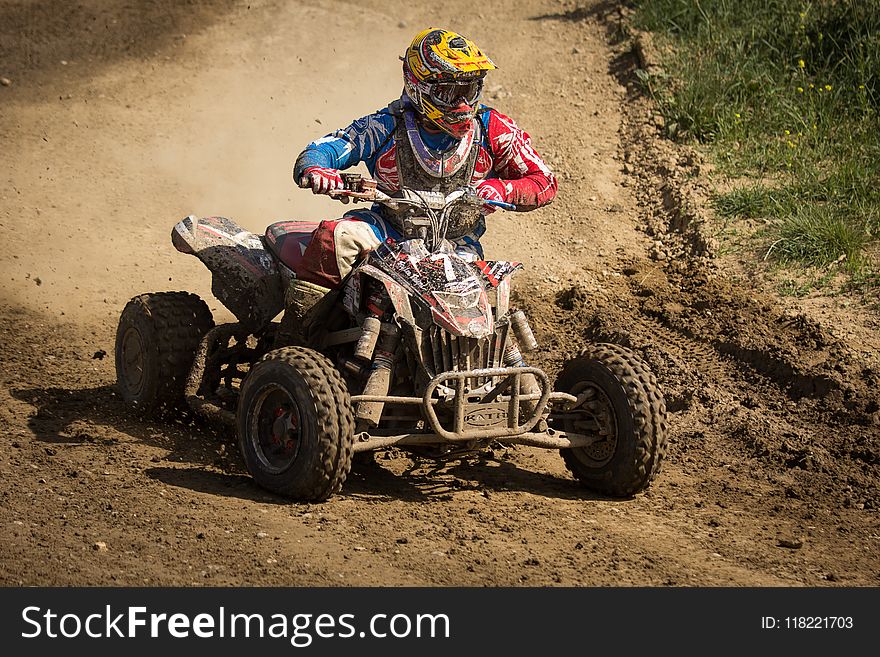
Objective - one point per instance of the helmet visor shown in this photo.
(452, 93)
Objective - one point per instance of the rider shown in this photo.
(436, 137)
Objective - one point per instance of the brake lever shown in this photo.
(346, 195)
(356, 187)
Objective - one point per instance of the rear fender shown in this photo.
(245, 277)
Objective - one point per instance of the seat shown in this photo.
(288, 241)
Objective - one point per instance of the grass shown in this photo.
(786, 91)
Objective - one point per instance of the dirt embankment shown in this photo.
(771, 477)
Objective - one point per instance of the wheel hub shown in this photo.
(596, 418)
(133, 360)
(275, 433)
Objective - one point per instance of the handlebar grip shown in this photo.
(500, 204)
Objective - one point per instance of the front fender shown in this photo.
(397, 293)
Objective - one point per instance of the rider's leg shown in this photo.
(469, 247)
(336, 244)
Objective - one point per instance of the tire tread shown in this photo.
(178, 321)
(650, 423)
(335, 423)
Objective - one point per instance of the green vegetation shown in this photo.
(786, 93)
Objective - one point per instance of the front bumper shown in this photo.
(497, 410)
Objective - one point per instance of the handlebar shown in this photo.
(434, 209)
(361, 188)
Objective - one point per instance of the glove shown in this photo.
(491, 190)
(321, 179)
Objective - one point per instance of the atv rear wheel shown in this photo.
(156, 342)
(296, 425)
(623, 403)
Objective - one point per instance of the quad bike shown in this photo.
(419, 348)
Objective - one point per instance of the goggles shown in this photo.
(451, 93)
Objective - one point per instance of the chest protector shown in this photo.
(421, 168)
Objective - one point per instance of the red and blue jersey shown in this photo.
(506, 162)
(506, 155)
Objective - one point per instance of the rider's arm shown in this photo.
(359, 142)
(335, 151)
(524, 179)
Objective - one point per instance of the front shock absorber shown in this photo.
(379, 380)
(528, 384)
(523, 331)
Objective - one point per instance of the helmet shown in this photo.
(443, 76)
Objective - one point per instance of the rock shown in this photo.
(99, 355)
(791, 543)
(100, 546)
(262, 534)
(657, 254)
(6, 82)
(401, 24)
(575, 51)
(38, 281)
(201, 536)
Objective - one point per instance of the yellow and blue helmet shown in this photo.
(443, 76)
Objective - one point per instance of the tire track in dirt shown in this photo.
(801, 399)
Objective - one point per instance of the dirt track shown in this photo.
(117, 124)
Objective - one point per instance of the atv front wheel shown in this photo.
(156, 342)
(296, 425)
(623, 404)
